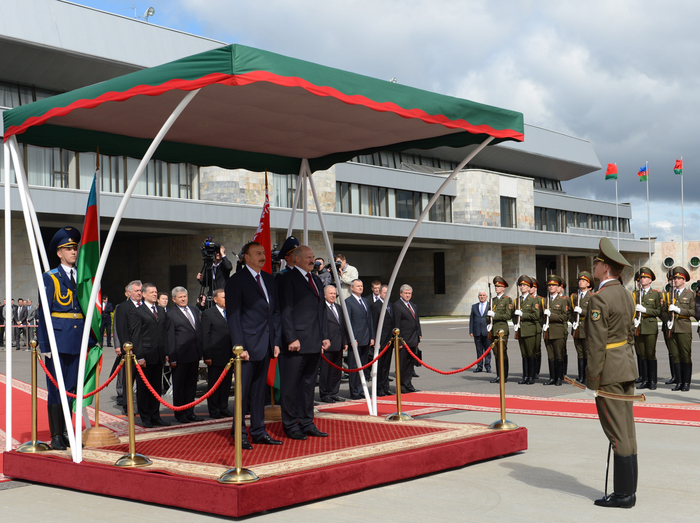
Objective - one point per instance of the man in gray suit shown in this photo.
(363, 329)
(31, 320)
(477, 330)
(329, 382)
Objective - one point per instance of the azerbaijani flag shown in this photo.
(678, 169)
(643, 175)
(88, 259)
(611, 173)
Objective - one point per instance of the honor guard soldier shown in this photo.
(68, 321)
(538, 336)
(611, 369)
(681, 307)
(579, 306)
(646, 329)
(286, 253)
(555, 329)
(501, 312)
(527, 314)
(674, 362)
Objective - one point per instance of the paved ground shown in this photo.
(558, 477)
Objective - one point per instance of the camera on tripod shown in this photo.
(210, 249)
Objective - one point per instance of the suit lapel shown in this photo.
(255, 283)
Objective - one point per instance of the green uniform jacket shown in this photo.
(530, 319)
(503, 312)
(653, 301)
(686, 302)
(560, 310)
(580, 333)
(542, 303)
(610, 315)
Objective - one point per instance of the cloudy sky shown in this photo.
(619, 73)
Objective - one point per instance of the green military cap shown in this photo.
(535, 283)
(648, 273)
(553, 279)
(497, 280)
(525, 280)
(585, 275)
(680, 272)
(610, 255)
(636, 276)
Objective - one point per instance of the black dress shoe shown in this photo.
(295, 434)
(617, 501)
(267, 440)
(327, 399)
(495, 380)
(57, 443)
(146, 424)
(194, 418)
(488, 369)
(245, 444)
(227, 413)
(478, 369)
(337, 399)
(216, 416)
(415, 375)
(182, 420)
(161, 422)
(316, 433)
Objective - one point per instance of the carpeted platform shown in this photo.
(360, 452)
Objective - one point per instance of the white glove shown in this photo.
(674, 308)
(636, 322)
(547, 312)
(516, 327)
(575, 326)
(643, 309)
(518, 312)
(489, 327)
(47, 355)
(545, 327)
(578, 310)
(669, 324)
(490, 314)
(590, 392)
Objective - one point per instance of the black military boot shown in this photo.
(538, 366)
(552, 378)
(639, 369)
(56, 426)
(498, 372)
(673, 371)
(505, 371)
(581, 371)
(643, 380)
(526, 372)
(585, 364)
(531, 377)
(565, 365)
(652, 369)
(680, 367)
(559, 372)
(625, 482)
(687, 373)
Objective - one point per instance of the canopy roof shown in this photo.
(256, 110)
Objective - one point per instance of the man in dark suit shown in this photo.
(2, 322)
(184, 352)
(304, 337)
(252, 311)
(148, 332)
(107, 309)
(363, 329)
(477, 330)
(20, 320)
(31, 320)
(216, 349)
(329, 382)
(406, 320)
(220, 271)
(122, 313)
(384, 364)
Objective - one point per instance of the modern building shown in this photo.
(504, 214)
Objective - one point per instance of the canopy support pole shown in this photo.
(353, 342)
(19, 171)
(97, 282)
(395, 272)
(8, 298)
(307, 175)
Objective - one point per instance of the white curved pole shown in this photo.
(307, 175)
(21, 180)
(19, 172)
(297, 192)
(353, 342)
(105, 254)
(395, 272)
(8, 301)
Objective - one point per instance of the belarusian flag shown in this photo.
(88, 259)
(611, 173)
(678, 169)
(262, 234)
(643, 174)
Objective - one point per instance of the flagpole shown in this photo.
(98, 190)
(682, 220)
(646, 165)
(617, 214)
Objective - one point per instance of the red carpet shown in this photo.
(662, 413)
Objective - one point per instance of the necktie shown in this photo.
(481, 309)
(138, 303)
(411, 309)
(311, 282)
(155, 312)
(335, 312)
(223, 311)
(189, 316)
(388, 308)
(363, 303)
(72, 278)
(257, 279)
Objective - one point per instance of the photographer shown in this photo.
(216, 276)
(347, 274)
(323, 272)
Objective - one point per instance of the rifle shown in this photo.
(638, 320)
(516, 327)
(545, 328)
(578, 314)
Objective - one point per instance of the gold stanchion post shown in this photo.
(398, 415)
(34, 446)
(99, 436)
(131, 459)
(503, 423)
(238, 475)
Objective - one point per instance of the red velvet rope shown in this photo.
(86, 396)
(359, 368)
(446, 373)
(181, 407)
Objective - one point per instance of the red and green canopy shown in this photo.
(256, 110)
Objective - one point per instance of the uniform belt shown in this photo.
(68, 315)
(683, 317)
(616, 344)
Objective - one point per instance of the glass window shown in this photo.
(392, 203)
(364, 200)
(383, 202)
(583, 220)
(538, 218)
(508, 214)
(354, 198)
(571, 219)
(87, 169)
(551, 219)
(39, 165)
(374, 209)
(26, 96)
(404, 204)
(387, 160)
(9, 95)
